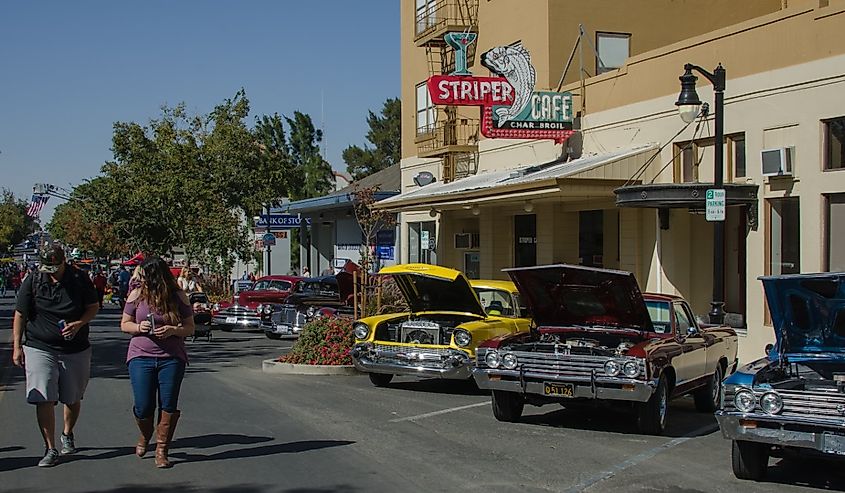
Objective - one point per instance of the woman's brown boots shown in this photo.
(164, 434)
(146, 427)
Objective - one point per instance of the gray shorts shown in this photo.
(52, 377)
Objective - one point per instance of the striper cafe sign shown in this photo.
(510, 107)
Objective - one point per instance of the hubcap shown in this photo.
(662, 406)
(717, 387)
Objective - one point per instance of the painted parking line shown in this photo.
(438, 413)
(641, 457)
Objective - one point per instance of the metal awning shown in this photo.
(586, 177)
(682, 195)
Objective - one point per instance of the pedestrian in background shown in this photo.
(53, 310)
(156, 355)
(100, 282)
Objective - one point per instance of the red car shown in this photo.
(246, 307)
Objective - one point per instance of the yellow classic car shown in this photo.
(450, 316)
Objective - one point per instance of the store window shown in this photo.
(736, 144)
(472, 265)
(525, 240)
(425, 111)
(834, 131)
(784, 236)
(690, 156)
(591, 238)
(835, 232)
(422, 242)
(613, 49)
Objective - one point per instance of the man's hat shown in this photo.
(51, 258)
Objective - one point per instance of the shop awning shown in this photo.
(586, 177)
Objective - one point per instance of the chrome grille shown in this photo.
(238, 311)
(409, 347)
(562, 365)
(817, 404)
(289, 315)
(426, 357)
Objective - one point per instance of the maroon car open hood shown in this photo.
(574, 296)
(252, 299)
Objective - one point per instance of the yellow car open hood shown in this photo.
(431, 288)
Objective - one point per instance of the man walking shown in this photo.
(53, 309)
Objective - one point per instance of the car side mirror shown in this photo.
(769, 348)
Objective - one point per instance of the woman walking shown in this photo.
(159, 317)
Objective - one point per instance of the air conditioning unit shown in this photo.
(464, 241)
(777, 162)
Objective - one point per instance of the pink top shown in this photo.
(150, 345)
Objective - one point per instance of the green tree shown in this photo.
(304, 149)
(14, 223)
(71, 226)
(384, 135)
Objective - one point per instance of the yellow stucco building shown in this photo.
(497, 203)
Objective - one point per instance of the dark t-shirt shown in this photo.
(65, 300)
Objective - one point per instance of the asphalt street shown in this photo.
(243, 431)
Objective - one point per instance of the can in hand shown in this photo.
(62, 325)
(151, 319)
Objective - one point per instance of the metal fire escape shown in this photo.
(452, 137)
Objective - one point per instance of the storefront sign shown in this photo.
(281, 221)
(385, 252)
(510, 107)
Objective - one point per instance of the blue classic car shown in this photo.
(794, 399)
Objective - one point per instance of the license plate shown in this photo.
(559, 389)
(231, 320)
(833, 444)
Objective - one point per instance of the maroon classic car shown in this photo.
(597, 338)
(246, 307)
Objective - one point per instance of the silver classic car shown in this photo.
(793, 400)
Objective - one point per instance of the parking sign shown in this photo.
(715, 204)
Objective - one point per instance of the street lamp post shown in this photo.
(688, 107)
(267, 242)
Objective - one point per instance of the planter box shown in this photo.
(273, 366)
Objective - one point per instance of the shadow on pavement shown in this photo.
(217, 440)
(807, 472)
(279, 448)
(243, 488)
(684, 420)
(438, 386)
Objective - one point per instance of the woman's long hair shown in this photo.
(160, 290)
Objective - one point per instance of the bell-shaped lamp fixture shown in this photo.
(688, 102)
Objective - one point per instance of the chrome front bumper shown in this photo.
(604, 388)
(281, 329)
(449, 364)
(240, 321)
(821, 440)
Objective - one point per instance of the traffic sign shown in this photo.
(269, 239)
(715, 204)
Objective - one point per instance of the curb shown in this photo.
(274, 367)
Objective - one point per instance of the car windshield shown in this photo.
(271, 285)
(322, 287)
(496, 302)
(660, 318)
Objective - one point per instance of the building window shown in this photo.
(736, 144)
(784, 236)
(425, 111)
(425, 17)
(472, 265)
(835, 232)
(525, 240)
(834, 136)
(613, 49)
(422, 242)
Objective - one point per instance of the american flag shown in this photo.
(36, 204)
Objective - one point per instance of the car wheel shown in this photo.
(707, 398)
(507, 406)
(653, 414)
(380, 379)
(749, 459)
(273, 336)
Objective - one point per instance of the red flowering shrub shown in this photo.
(324, 341)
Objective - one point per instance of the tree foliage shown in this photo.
(71, 225)
(14, 223)
(304, 149)
(385, 137)
(370, 220)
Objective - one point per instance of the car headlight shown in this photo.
(492, 359)
(268, 309)
(631, 369)
(771, 403)
(744, 401)
(612, 368)
(310, 311)
(216, 307)
(259, 308)
(462, 337)
(361, 331)
(509, 361)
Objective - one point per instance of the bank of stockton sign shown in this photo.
(510, 107)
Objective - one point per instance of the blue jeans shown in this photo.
(150, 376)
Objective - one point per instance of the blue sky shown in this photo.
(69, 70)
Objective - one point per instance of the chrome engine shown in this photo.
(419, 332)
(581, 345)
